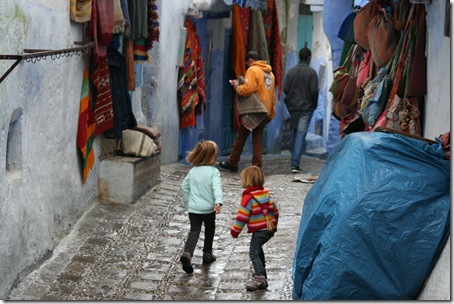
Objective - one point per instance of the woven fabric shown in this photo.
(191, 84)
(153, 23)
(103, 109)
(119, 20)
(140, 50)
(85, 131)
(273, 40)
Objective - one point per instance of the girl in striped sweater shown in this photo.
(259, 212)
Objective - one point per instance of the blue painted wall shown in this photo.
(333, 13)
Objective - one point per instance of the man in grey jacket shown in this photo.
(301, 90)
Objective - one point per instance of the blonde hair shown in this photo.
(203, 154)
(252, 176)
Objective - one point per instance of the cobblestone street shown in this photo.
(131, 252)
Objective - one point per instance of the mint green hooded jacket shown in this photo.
(202, 189)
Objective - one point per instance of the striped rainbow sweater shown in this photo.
(255, 203)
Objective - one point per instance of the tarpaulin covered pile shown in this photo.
(375, 222)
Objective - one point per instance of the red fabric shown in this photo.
(100, 28)
(273, 40)
(103, 109)
(191, 84)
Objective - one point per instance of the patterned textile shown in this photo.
(273, 39)
(85, 130)
(140, 50)
(254, 4)
(256, 206)
(80, 10)
(191, 84)
(153, 22)
(103, 109)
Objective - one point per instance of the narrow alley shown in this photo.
(131, 252)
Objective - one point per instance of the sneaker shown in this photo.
(208, 258)
(296, 169)
(259, 282)
(185, 259)
(224, 165)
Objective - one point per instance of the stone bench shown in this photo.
(124, 179)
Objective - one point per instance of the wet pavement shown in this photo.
(131, 252)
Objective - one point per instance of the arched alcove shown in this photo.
(14, 142)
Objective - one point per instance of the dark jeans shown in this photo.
(258, 239)
(257, 143)
(196, 225)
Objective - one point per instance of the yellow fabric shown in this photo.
(80, 10)
(255, 82)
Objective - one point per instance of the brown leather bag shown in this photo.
(361, 23)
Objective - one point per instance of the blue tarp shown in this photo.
(375, 222)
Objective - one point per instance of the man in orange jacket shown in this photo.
(259, 79)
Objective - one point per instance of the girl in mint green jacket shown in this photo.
(202, 197)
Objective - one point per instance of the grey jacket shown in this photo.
(301, 88)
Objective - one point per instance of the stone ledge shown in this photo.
(123, 179)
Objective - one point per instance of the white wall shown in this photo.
(166, 105)
(438, 104)
(41, 195)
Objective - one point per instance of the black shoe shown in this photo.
(208, 258)
(185, 259)
(296, 169)
(224, 165)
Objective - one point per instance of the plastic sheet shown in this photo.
(375, 222)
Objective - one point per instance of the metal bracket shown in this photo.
(35, 55)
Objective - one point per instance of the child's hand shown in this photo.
(217, 208)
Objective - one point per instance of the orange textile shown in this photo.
(86, 128)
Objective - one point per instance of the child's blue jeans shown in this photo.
(258, 239)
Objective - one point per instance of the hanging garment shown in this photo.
(256, 35)
(119, 20)
(191, 84)
(138, 13)
(153, 23)
(123, 115)
(128, 52)
(85, 130)
(103, 108)
(100, 28)
(240, 25)
(140, 50)
(273, 39)
(125, 11)
(80, 10)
